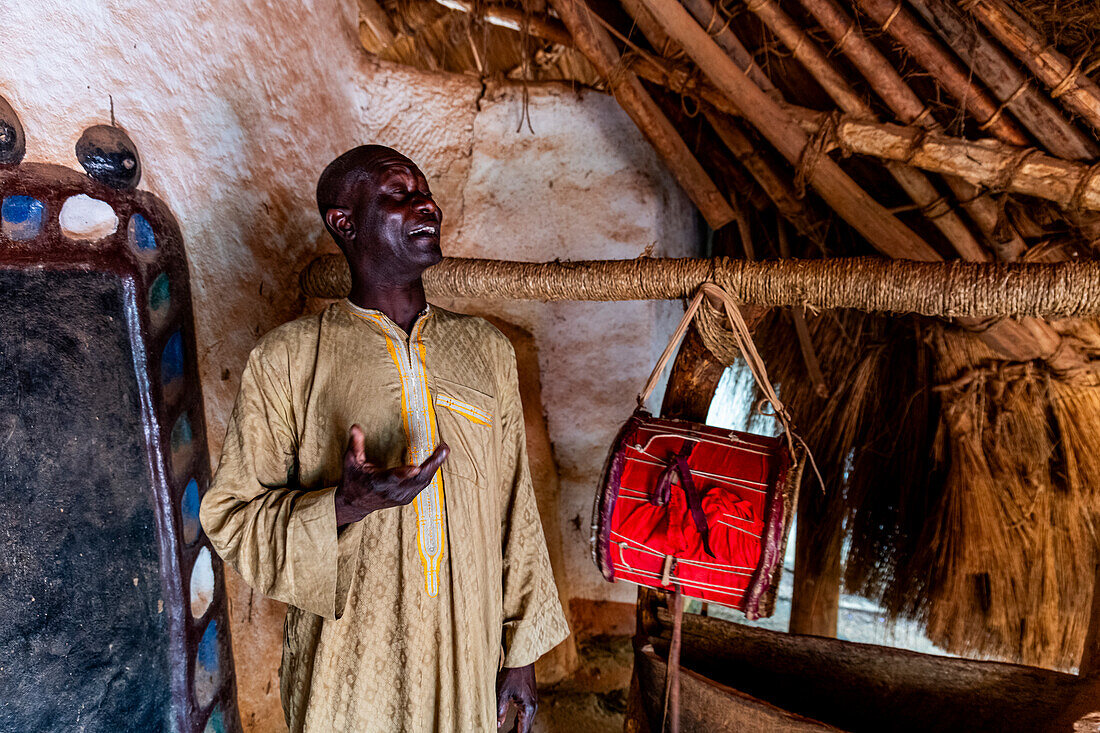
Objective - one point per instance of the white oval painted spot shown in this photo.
(83, 217)
(202, 583)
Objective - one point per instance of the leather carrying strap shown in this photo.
(743, 336)
(671, 715)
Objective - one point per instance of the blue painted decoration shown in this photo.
(206, 664)
(141, 234)
(22, 217)
(216, 723)
(181, 434)
(189, 510)
(171, 361)
(160, 296)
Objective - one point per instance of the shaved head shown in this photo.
(336, 186)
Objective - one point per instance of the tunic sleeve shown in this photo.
(281, 538)
(533, 619)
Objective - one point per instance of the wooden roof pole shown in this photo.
(998, 166)
(649, 26)
(772, 182)
(1012, 86)
(708, 17)
(593, 41)
(1021, 340)
(904, 28)
(913, 182)
(983, 162)
(1076, 91)
(867, 216)
(904, 102)
(505, 16)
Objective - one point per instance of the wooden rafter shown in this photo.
(889, 85)
(1075, 90)
(851, 202)
(1013, 88)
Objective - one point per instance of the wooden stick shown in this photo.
(979, 162)
(1020, 340)
(593, 41)
(1010, 85)
(815, 595)
(745, 232)
(802, 331)
(1003, 239)
(882, 230)
(649, 26)
(777, 187)
(905, 29)
(982, 162)
(1023, 340)
(921, 190)
(506, 16)
(1067, 83)
(707, 15)
(770, 180)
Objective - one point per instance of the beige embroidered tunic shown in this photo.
(398, 622)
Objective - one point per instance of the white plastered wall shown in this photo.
(236, 106)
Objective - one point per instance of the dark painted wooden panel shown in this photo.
(100, 378)
(78, 544)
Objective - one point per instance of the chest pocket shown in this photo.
(467, 423)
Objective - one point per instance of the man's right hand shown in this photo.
(366, 487)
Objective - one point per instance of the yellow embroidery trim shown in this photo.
(465, 409)
(416, 410)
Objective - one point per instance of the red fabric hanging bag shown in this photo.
(697, 509)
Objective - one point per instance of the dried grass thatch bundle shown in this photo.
(1072, 25)
(968, 505)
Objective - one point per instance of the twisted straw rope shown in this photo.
(945, 289)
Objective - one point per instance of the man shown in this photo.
(415, 569)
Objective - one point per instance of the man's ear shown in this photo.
(340, 224)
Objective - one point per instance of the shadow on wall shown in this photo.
(563, 660)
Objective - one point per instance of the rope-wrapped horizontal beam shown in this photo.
(948, 289)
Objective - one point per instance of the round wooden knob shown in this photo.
(12, 142)
(109, 156)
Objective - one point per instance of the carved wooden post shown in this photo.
(816, 593)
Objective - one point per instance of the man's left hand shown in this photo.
(516, 685)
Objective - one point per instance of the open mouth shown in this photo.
(425, 230)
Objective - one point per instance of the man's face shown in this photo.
(397, 221)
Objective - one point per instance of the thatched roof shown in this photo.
(963, 457)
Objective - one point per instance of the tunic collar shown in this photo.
(369, 314)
